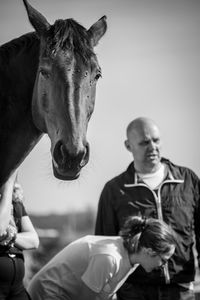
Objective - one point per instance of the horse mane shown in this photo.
(11, 103)
(13, 47)
(64, 34)
(69, 34)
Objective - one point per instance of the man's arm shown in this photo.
(106, 220)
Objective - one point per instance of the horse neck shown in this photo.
(18, 68)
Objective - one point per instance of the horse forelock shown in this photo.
(69, 35)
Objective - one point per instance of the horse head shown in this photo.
(64, 91)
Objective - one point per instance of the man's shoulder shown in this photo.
(126, 176)
(179, 171)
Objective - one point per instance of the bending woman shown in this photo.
(94, 267)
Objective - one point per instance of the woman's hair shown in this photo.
(149, 233)
(18, 195)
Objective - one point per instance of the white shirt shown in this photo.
(99, 264)
(153, 180)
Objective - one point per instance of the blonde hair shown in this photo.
(18, 194)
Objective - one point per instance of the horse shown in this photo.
(47, 86)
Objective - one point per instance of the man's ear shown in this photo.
(126, 143)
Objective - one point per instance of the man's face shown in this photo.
(145, 145)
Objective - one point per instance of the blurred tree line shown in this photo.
(56, 232)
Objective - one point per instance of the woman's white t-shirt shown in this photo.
(96, 264)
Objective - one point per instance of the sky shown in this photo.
(150, 60)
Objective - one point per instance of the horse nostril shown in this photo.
(87, 152)
(85, 156)
(59, 153)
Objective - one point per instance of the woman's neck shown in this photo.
(134, 259)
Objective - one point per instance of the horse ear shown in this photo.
(37, 20)
(97, 30)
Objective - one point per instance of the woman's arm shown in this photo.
(28, 238)
(6, 191)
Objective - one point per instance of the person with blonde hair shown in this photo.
(19, 235)
(94, 267)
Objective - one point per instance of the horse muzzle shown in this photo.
(67, 166)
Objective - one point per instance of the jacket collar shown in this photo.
(173, 172)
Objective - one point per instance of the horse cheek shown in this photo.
(91, 99)
(38, 111)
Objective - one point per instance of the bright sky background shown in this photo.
(150, 59)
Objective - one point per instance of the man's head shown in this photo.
(143, 141)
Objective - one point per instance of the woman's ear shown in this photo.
(150, 252)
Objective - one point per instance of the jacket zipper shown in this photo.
(159, 210)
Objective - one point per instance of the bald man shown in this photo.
(152, 186)
(144, 142)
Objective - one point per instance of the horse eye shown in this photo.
(98, 75)
(44, 73)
